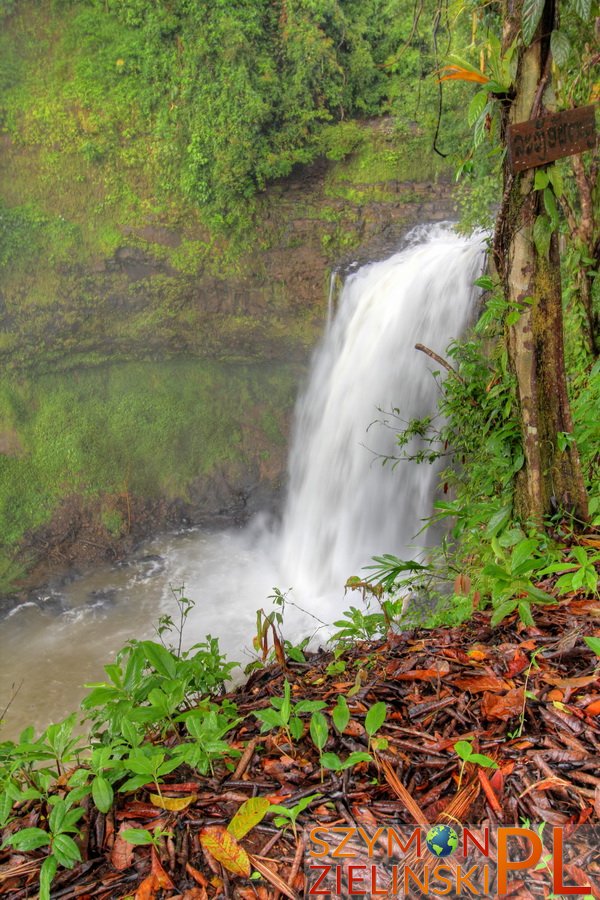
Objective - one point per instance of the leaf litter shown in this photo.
(527, 698)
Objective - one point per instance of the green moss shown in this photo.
(145, 428)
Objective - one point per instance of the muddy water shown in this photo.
(54, 645)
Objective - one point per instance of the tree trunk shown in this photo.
(551, 478)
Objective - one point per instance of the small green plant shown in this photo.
(148, 763)
(167, 625)
(510, 580)
(579, 574)
(63, 851)
(464, 750)
(332, 760)
(527, 695)
(142, 837)
(373, 721)
(285, 715)
(149, 684)
(358, 626)
(207, 725)
(319, 732)
(285, 815)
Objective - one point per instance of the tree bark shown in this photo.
(551, 478)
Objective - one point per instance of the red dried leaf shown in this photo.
(196, 875)
(135, 809)
(159, 873)
(518, 664)
(354, 728)
(593, 709)
(422, 675)
(121, 855)
(147, 889)
(476, 684)
(505, 707)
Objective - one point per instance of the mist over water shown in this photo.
(342, 507)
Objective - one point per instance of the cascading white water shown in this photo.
(343, 506)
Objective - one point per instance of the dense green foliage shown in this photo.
(210, 102)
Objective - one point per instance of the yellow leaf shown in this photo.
(250, 813)
(225, 849)
(173, 804)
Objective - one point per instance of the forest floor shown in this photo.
(525, 700)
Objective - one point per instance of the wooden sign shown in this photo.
(543, 140)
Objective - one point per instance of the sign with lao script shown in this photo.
(551, 137)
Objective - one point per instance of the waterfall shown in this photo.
(343, 505)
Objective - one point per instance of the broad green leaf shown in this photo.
(286, 706)
(463, 749)
(136, 836)
(550, 207)
(140, 764)
(493, 570)
(522, 552)
(225, 849)
(132, 784)
(270, 718)
(319, 730)
(560, 47)
(583, 8)
(476, 107)
(538, 595)
(57, 816)
(29, 839)
(356, 757)
(331, 761)
(485, 282)
(375, 718)
(341, 714)
(594, 644)
(541, 181)
(296, 727)
(47, 873)
(6, 805)
(525, 613)
(482, 760)
(66, 850)
(532, 13)
(498, 521)
(502, 611)
(250, 813)
(161, 659)
(130, 733)
(308, 706)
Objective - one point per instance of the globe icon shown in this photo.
(441, 840)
